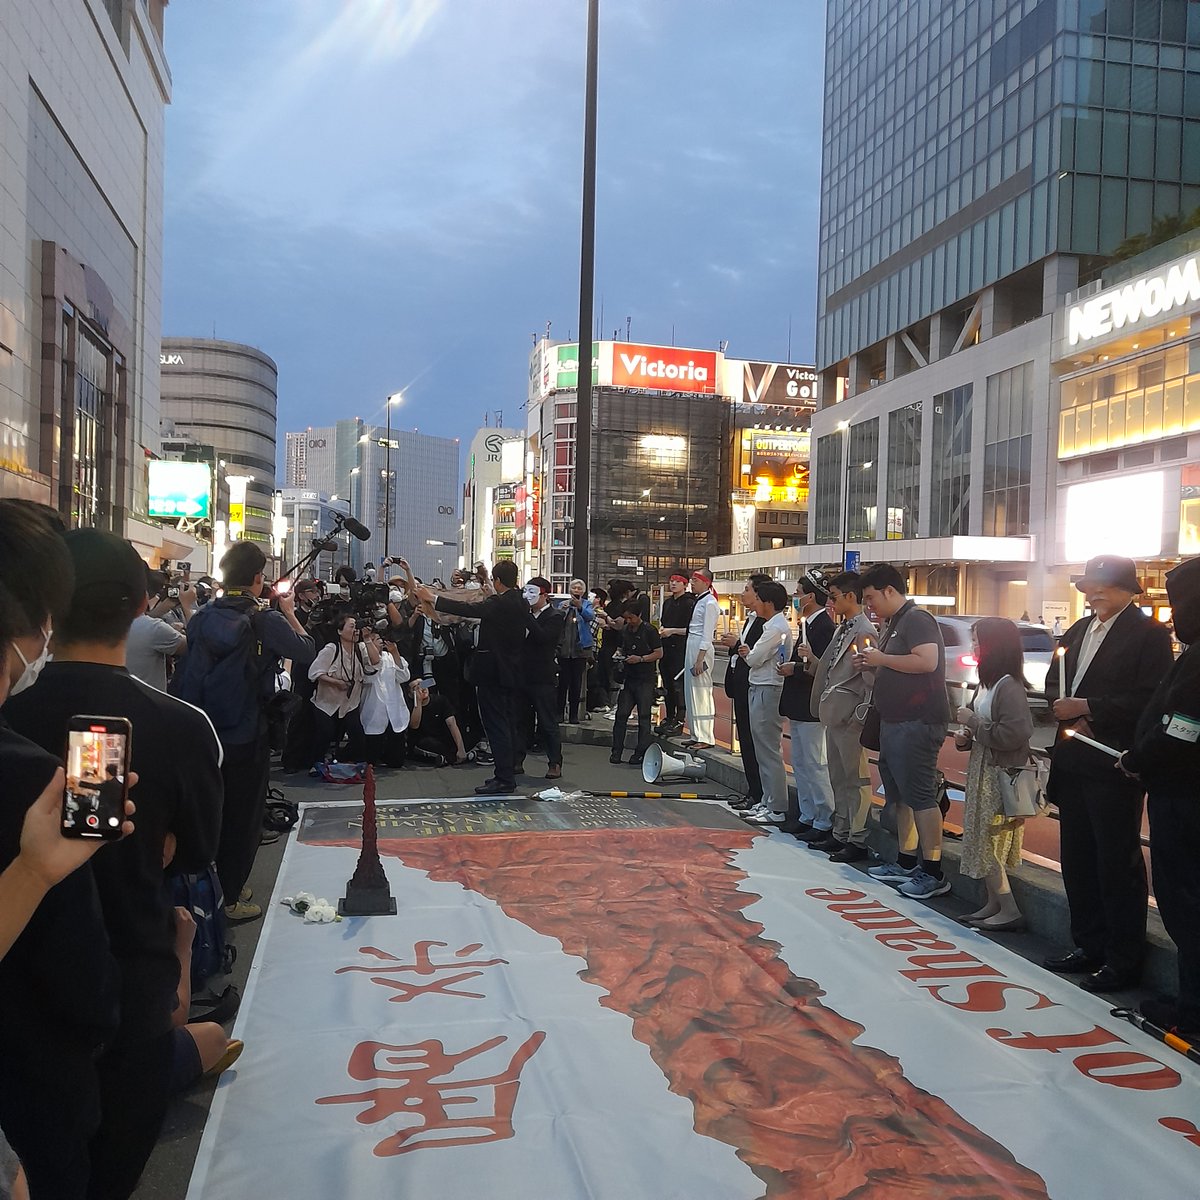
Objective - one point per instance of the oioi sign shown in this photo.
(180, 489)
(1142, 299)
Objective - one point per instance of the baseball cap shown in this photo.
(106, 567)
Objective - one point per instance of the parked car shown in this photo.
(962, 669)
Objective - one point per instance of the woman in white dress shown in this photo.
(698, 662)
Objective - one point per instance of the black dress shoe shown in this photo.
(849, 854)
(519, 768)
(615, 758)
(815, 835)
(1109, 980)
(803, 829)
(827, 844)
(493, 787)
(636, 761)
(1075, 963)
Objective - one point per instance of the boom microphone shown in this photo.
(357, 528)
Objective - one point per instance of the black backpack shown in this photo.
(221, 672)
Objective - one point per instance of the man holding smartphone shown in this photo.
(176, 755)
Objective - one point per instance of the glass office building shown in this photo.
(965, 142)
(982, 162)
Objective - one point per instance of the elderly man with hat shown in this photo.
(698, 661)
(1115, 659)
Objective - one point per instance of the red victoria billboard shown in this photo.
(664, 368)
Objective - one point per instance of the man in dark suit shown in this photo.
(737, 688)
(496, 671)
(1115, 660)
(539, 677)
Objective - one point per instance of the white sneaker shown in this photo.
(760, 814)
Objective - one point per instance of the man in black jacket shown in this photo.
(737, 688)
(497, 668)
(177, 758)
(539, 677)
(1166, 759)
(676, 616)
(1115, 660)
(641, 649)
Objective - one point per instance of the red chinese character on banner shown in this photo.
(425, 1094)
(424, 965)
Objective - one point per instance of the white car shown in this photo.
(962, 668)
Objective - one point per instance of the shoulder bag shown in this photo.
(1023, 789)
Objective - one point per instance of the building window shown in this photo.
(828, 488)
(862, 485)
(949, 508)
(1007, 453)
(904, 471)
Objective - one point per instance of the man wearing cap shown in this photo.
(1115, 660)
(539, 681)
(698, 662)
(676, 616)
(177, 757)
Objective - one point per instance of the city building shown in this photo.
(82, 104)
(404, 489)
(308, 517)
(1127, 366)
(495, 474)
(978, 169)
(223, 396)
(661, 461)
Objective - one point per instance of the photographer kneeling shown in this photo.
(339, 671)
(433, 733)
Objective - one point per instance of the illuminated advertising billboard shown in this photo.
(664, 368)
(179, 489)
(1115, 516)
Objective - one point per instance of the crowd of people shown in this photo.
(484, 671)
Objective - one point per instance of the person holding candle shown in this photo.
(1115, 659)
(997, 726)
(698, 661)
(812, 820)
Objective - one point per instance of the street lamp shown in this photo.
(844, 426)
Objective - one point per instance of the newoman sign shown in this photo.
(1142, 299)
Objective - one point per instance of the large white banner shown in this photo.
(653, 1000)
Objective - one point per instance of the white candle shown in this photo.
(804, 635)
(1087, 741)
(1062, 672)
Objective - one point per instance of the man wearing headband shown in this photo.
(676, 616)
(698, 660)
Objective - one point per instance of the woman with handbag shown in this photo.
(996, 727)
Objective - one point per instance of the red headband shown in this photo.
(678, 575)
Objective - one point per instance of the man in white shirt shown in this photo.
(151, 639)
(773, 647)
(698, 661)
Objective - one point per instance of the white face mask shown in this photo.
(32, 669)
(532, 594)
(395, 596)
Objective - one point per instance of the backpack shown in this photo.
(221, 672)
(201, 895)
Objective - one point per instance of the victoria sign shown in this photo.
(664, 368)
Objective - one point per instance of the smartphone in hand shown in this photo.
(97, 758)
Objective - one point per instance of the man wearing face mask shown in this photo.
(539, 682)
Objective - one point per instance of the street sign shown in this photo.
(627, 562)
(853, 558)
(179, 489)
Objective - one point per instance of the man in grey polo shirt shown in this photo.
(153, 640)
(910, 695)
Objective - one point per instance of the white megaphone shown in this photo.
(658, 767)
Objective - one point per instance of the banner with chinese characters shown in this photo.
(611, 1000)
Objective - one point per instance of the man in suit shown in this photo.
(1115, 660)
(737, 688)
(497, 666)
(676, 616)
(539, 679)
(840, 693)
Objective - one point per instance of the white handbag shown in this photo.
(1023, 789)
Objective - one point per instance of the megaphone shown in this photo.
(658, 767)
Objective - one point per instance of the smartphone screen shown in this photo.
(97, 777)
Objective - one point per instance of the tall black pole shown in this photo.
(581, 565)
